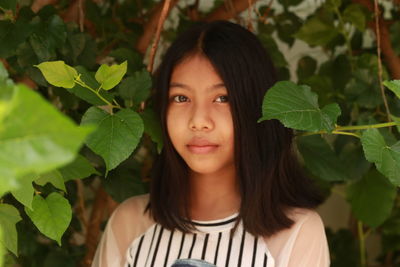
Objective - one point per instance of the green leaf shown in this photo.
(78, 169)
(136, 88)
(270, 45)
(287, 24)
(15, 34)
(371, 198)
(386, 158)
(297, 107)
(9, 216)
(51, 215)
(306, 67)
(24, 193)
(317, 32)
(355, 15)
(396, 120)
(320, 160)
(110, 76)
(117, 135)
(58, 73)
(54, 177)
(393, 86)
(35, 137)
(49, 34)
(152, 127)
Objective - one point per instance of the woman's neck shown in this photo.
(213, 196)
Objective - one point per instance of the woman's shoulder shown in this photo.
(132, 213)
(306, 223)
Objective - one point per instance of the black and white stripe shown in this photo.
(211, 243)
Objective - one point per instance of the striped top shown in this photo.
(210, 243)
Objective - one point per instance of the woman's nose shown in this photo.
(200, 119)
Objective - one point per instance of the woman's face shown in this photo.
(199, 119)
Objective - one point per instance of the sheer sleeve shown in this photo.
(303, 245)
(126, 223)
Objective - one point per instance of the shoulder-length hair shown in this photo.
(268, 174)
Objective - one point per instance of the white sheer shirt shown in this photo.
(304, 244)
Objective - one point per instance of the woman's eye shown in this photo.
(222, 99)
(180, 98)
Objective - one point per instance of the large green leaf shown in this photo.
(320, 160)
(35, 137)
(136, 88)
(371, 198)
(58, 73)
(9, 216)
(393, 86)
(117, 134)
(51, 215)
(317, 32)
(78, 169)
(386, 158)
(110, 76)
(297, 107)
(53, 177)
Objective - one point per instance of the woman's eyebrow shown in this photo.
(187, 87)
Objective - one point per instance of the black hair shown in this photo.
(268, 174)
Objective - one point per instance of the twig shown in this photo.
(378, 48)
(93, 230)
(164, 12)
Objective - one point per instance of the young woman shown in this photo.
(226, 190)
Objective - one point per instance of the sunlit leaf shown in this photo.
(110, 76)
(58, 73)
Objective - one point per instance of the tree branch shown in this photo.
(93, 230)
(150, 27)
(164, 13)
(392, 60)
(221, 13)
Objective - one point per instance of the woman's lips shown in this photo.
(202, 149)
(201, 146)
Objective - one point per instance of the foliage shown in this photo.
(88, 125)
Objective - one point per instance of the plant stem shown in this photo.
(364, 127)
(81, 83)
(378, 49)
(361, 238)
